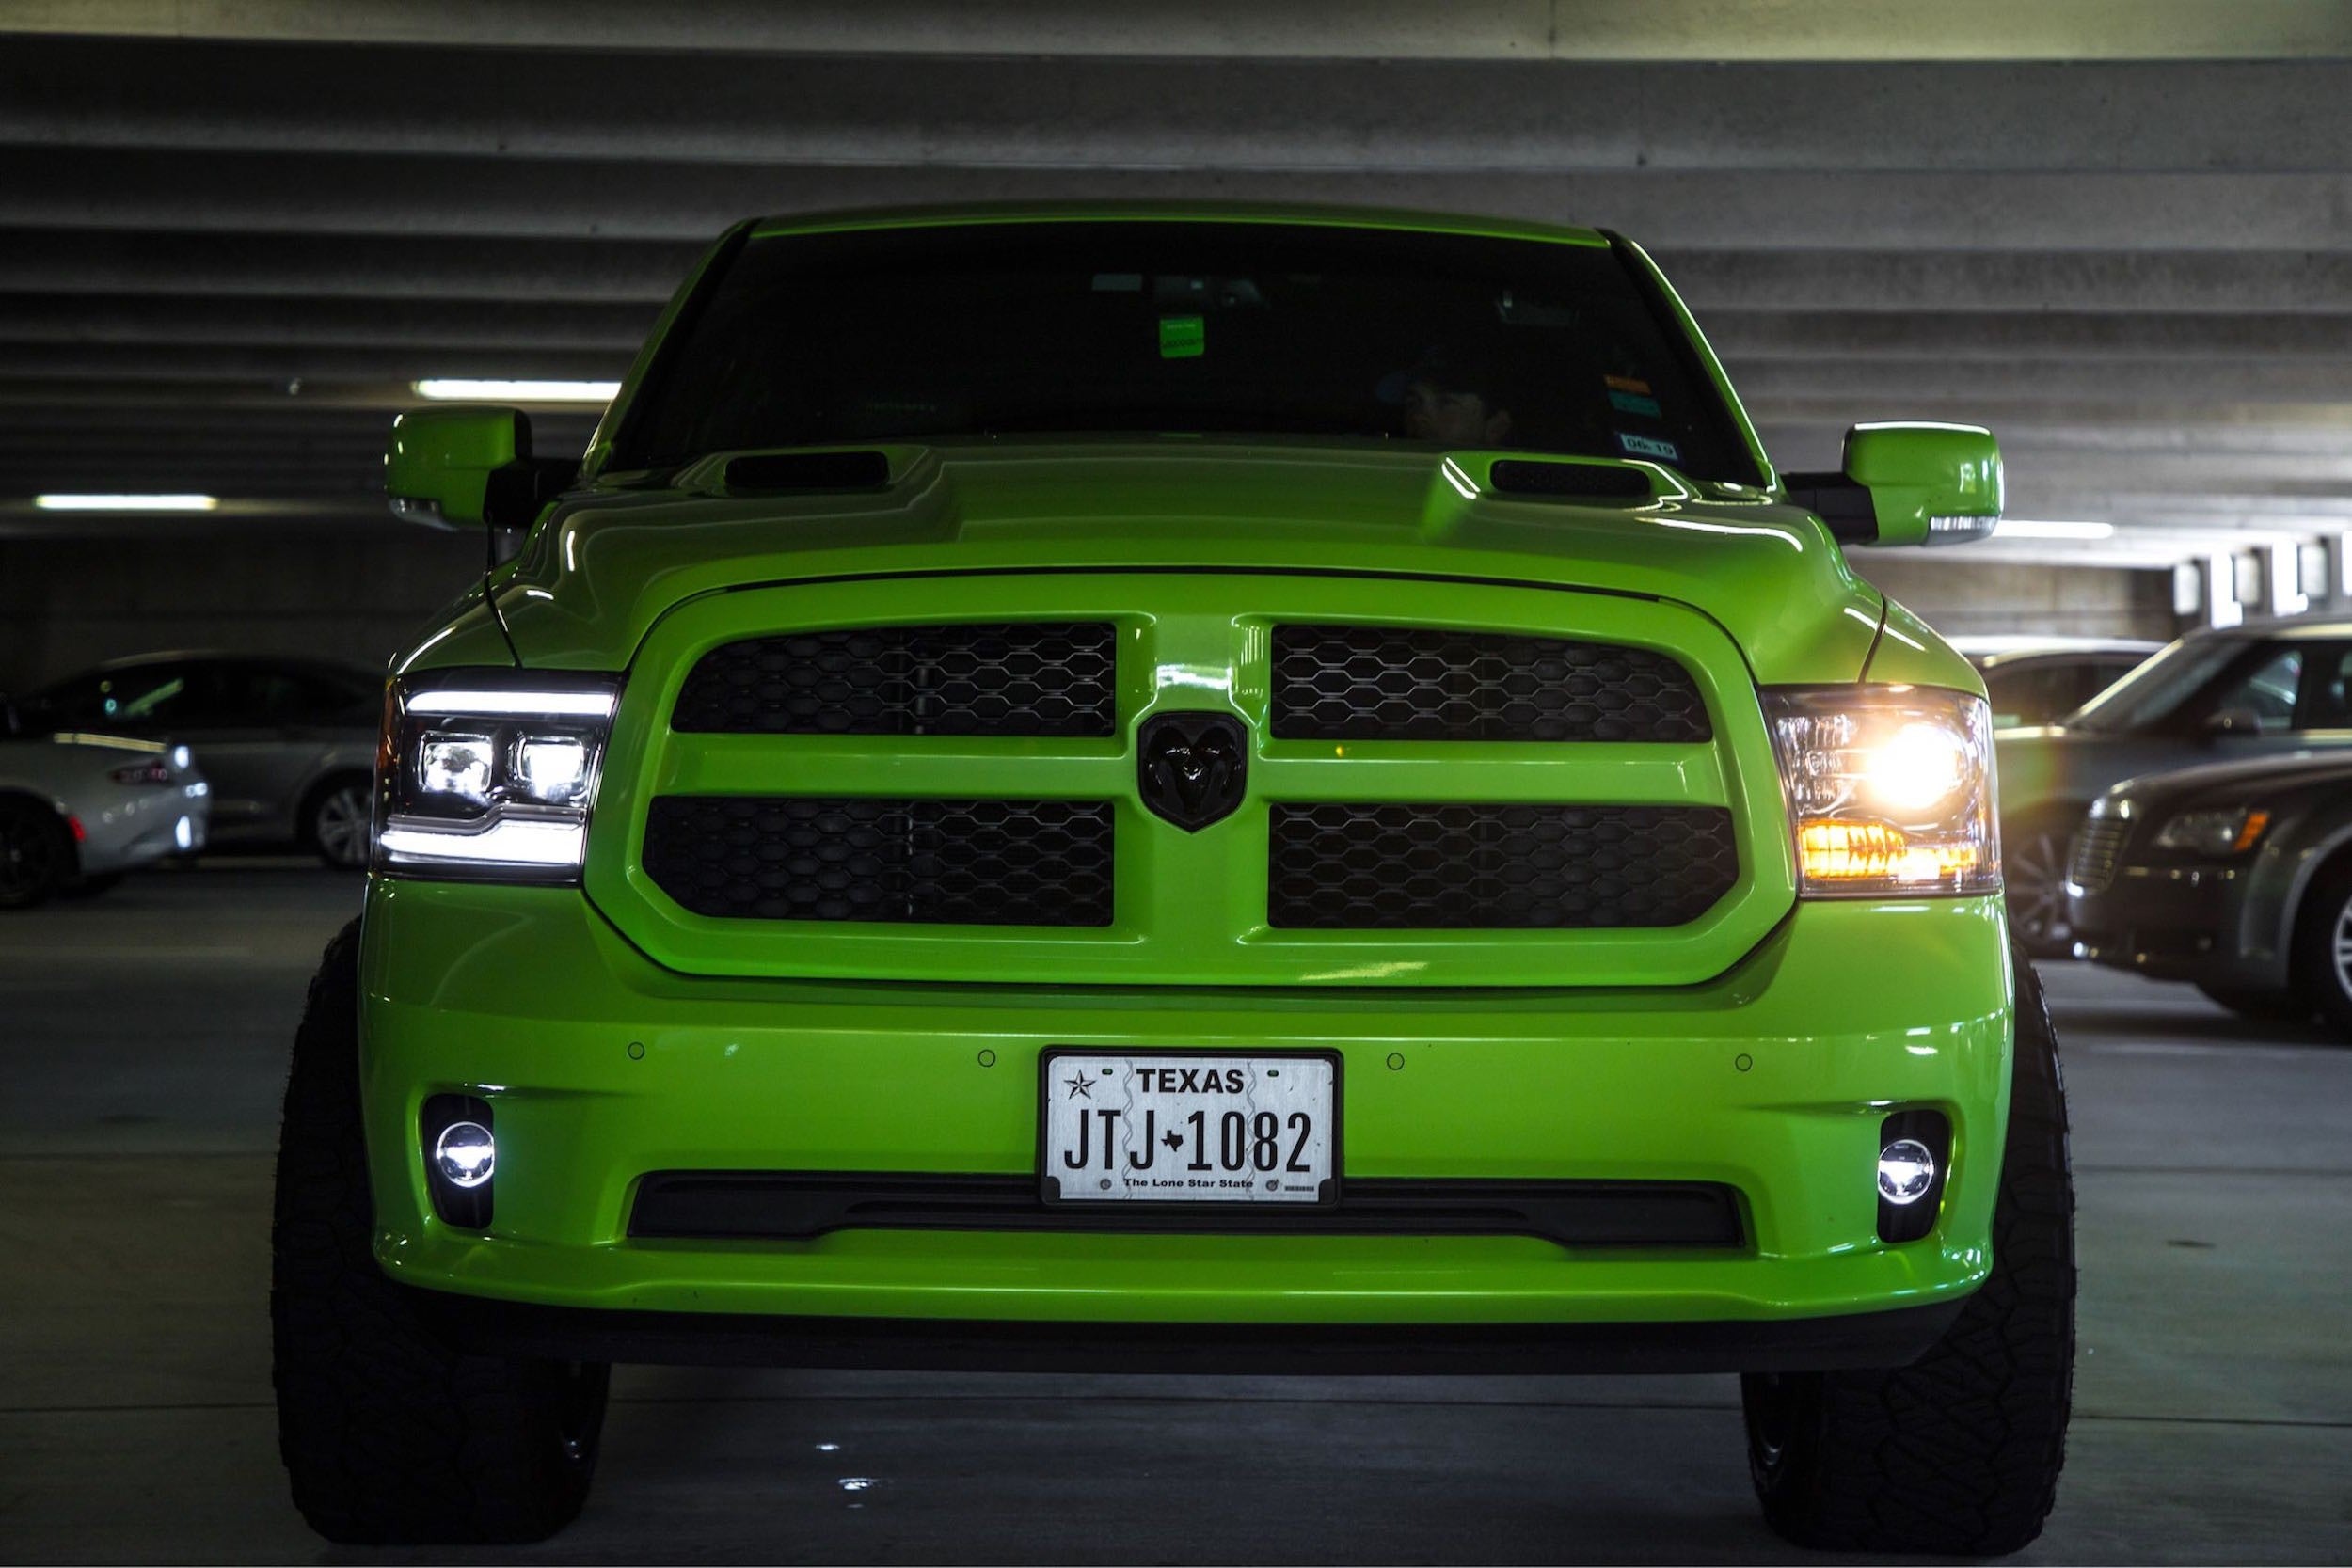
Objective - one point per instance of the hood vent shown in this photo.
(809, 471)
(1538, 481)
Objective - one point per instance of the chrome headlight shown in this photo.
(489, 775)
(2231, 832)
(1889, 788)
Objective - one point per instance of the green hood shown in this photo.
(601, 570)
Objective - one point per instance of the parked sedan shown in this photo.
(2248, 693)
(77, 811)
(288, 744)
(2236, 877)
(2040, 680)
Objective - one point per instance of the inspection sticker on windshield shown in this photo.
(1648, 446)
(1184, 337)
(1189, 1126)
(1633, 403)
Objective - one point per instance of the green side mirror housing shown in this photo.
(1929, 483)
(467, 464)
(1908, 484)
(438, 462)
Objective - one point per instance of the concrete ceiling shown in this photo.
(2120, 233)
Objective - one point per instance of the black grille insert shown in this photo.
(800, 1204)
(979, 863)
(1026, 678)
(1467, 867)
(1391, 683)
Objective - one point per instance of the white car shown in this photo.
(77, 810)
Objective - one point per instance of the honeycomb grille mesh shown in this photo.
(1388, 868)
(979, 863)
(1389, 683)
(1030, 678)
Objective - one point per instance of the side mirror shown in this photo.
(463, 464)
(2232, 720)
(1908, 484)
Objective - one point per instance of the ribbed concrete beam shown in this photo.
(166, 319)
(1908, 279)
(1406, 115)
(591, 270)
(462, 200)
(1477, 29)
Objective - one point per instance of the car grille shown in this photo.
(979, 863)
(1544, 786)
(1041, 678)
(1388, 682)
(1389, 867)
(2092, 865)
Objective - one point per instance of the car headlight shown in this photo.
(2233, 832)
(1889, 788)
(489, 775)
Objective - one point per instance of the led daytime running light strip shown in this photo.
(531, 705)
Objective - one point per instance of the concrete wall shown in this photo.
(350, 595)
(1958, 597)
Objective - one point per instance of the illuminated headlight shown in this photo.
(489, 775)
(2215, 833)
(1889, 788)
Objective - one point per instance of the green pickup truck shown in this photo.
(1180, 789)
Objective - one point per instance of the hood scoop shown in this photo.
(776, 472)
(1537, 480)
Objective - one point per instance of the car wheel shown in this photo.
(2323, 948)
(36, 854)
(388, 1436)
(2264, 1006)
(2034, 871)
(338, 823)
(1959, 1451)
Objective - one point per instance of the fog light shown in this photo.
(1906, 1170)
(467, 1155)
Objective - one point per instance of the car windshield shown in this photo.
(2156, 689)
(1443, 340)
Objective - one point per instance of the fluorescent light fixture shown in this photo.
(126, 503)
(2029, 527)
(456, 390)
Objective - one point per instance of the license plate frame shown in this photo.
(1049, 1180)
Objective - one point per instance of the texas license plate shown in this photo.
(1189, 1126)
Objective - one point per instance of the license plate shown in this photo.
(1189, 1126)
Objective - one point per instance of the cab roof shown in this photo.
(1395, 219)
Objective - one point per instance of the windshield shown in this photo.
(1441, 341)
(2151, 692)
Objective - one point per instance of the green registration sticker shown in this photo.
(1182, 337)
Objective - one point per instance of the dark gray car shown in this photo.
(2236, 877)
(288, 744)
(2230, 696)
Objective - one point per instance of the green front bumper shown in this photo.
(602, 1066)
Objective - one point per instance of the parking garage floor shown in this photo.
(142, 1044)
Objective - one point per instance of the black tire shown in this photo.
(1959, 1451)
(388, 1436)
(2263, 1006)
(335, 820)
(36, 855)
(2320, 975)
(2033, 856)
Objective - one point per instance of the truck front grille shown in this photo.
(1391, 683)
(1037, 678)
(2092, 865)
(976, 862)
(1462, 783)
(1393, 867)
